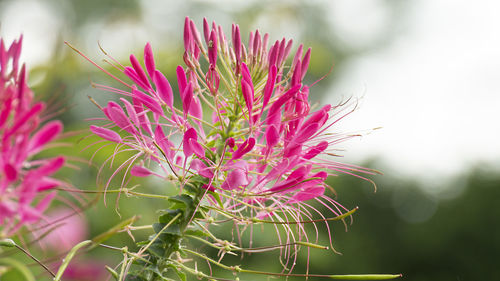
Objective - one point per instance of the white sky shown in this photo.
(435, 91)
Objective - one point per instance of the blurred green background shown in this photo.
(437, 227)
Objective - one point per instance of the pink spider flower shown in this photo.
(265, 153)
(26, 183)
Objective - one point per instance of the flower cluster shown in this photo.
(25, 180)
(241, 130)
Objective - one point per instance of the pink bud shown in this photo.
(237, 42)
(206, 30)
(298, 56)
(212, 48)
(297, 76)
(188, 36)
(149, 60)
(257, 41)
(305, 63)
(230, 142)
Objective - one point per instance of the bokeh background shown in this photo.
(426, 71)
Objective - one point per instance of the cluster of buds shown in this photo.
(26, 185)
(260, 154)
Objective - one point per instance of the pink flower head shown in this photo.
(25, 183)
(263, 147)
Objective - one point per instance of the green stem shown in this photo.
(68, 258)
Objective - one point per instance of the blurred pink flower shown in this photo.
(67, 228)
(25, 183)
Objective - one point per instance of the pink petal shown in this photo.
(139, 71)
(106, 134)
(187, 97)
(132, 74)
(117, 115)
(315, 150)
(272, 136)
(247, 91)
(50, 167)
(268, 89)
(201, 168)
(188, 135)
(139, 171)
(181, 79)
(244, 148)
(236, 178)
(148, 101)
(10, 172)
(164, 89)
(45, 135)
(308, 193)
(165, 144)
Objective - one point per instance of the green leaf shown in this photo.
(167, 216)
(173, 229)
(183, 199)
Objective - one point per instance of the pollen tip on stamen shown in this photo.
(101, 48)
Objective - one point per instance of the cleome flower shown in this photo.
(260, 153)
(25, 180)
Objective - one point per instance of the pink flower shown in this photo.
(25, 183)
(263, 146)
